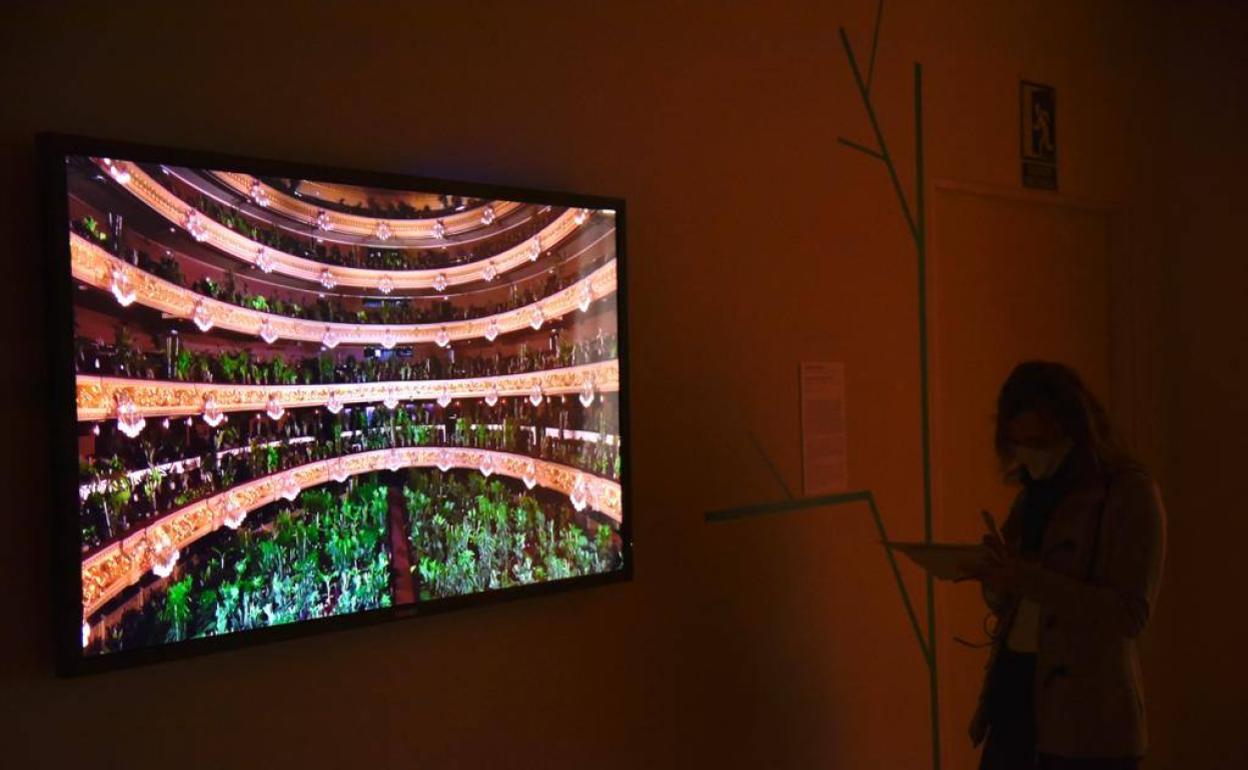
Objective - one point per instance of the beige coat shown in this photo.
(1089, 689)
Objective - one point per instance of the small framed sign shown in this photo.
(1038, 129)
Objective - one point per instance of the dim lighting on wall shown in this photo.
(195, 226)
(122, 286)
(491, 330)
(95, 429)
(334, 404)
(383, 231)
(212, 413)
(487, 216)
(386, 284)
(202, 316)
(530, 474)
(439, 230)
(129, 421)
(330, 338)
(267, 332)
(439, 282)
(86, 633)
(264, 260)
(258, 194)
(274, 409)
(442, 338)
(328, 280)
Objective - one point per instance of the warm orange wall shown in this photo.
(754, 242)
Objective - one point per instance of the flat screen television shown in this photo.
(288, 398)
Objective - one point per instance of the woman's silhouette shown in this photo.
(1071, 579)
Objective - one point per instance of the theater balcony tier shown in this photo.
(364, 226)
(438, 432)
(155, 547)
(96, 267)
(101, 398)
(222, 238)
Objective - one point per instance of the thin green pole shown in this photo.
(920, 243)
(879, 134)
(901, 585)
(875, 42)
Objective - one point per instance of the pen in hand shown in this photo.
(994, 545)
(994, 540)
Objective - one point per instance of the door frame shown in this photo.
(1124, 349)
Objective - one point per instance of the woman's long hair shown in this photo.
(1057, 392)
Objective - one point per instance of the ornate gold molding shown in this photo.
(119, 565)
(222, 238)
(95, 266)
(98, 396)
(354, 224)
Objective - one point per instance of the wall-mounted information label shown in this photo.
(1038, 124)
(824, 461)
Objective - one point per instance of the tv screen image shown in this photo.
(304, 394)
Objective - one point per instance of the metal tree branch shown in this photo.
(916, 223)
(786, 506)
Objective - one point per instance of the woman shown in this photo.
(1071, 579)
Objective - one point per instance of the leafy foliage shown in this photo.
(325, 555)
(477, 536)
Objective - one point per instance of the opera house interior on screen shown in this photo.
(299, 399)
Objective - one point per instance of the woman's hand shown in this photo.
(1003, 569)
(1000, 567)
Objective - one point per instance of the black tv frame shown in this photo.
(66, 561)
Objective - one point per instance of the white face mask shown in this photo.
(1042, 463)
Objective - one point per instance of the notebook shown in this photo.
(945, 561)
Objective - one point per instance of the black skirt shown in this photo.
(1011, 743)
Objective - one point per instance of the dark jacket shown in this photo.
(1089, 688)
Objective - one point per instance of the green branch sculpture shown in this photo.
(915, 221)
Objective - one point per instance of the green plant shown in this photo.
(182, 364)
(475, 536)
(324, 555)
(151, 481)
(177, 609)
